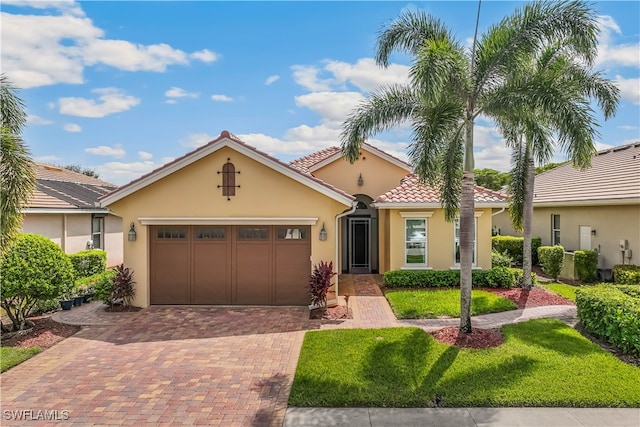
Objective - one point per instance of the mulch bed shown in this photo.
(339, 312)
(478, 338)
(536, 297)
(44, 334)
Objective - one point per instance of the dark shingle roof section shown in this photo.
(614, 176)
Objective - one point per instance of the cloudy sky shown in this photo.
(124, 87)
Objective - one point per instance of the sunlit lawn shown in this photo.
(567, 291)
(435, 303)
(10, 357)
(541, 363)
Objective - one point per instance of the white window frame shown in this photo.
(554, 230)
(99, 233)
(416, 216)
(456, 240)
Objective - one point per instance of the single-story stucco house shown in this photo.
(595, 208)
(64, 207)
(228, 224)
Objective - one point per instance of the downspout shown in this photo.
(341, 215)
(499, 212)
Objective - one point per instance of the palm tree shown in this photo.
(450, 86)
(16, 167)
(572, 85)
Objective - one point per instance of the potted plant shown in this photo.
(66, 302)
(88, 294)
(78, 297)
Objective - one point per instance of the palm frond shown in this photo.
(517, 188)
(12, 113)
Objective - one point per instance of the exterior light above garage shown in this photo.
(323, 233)
(132, 233)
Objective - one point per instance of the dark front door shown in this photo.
(359, 245)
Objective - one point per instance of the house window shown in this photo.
(415, 252)
(555, 230)
(228, 179)
(456, 241)
(97, 231)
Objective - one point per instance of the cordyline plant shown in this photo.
(320, 282)
(123, 289)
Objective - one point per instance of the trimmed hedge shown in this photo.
(89, 262)
(606, 311)
(513, 246)
(91, 281)
(500, 260)
(551, 259)
(586, 265)
(631, 290)
(103, 286)
(626, 274)
(497, 277)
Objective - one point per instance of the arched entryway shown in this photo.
(360, 238)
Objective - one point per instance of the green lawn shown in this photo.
(567, 291)
(432, 304)
(542, 363)
(10, 357)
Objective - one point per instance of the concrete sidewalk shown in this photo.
(463, 417)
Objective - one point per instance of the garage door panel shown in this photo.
(211, 273)
(253, 273)
(292, 267)
(170, 274)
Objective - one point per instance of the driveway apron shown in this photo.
(165, 365)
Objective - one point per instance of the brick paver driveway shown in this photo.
(165, 365)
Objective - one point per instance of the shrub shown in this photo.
(33, 269)
(103, 286)
(612, 314)
(45, 306)
(518, 275)
(320, 282)
(500, 277)
(551, 259)
(626, 274)
(586, 265)
(91, 281)
(497, 277)
(90, 262)
(512, 246)
(123, 290)
(631, 290)
(501, 259)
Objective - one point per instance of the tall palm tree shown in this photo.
(571, 119)
(17, 175)
(450, 86)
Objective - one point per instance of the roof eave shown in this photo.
(601, 202)
(431, 205)
(369, 148)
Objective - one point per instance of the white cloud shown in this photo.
(629, 89)
(366, 75)
(628, 127)
(32, 119)
(176, 92)
(57, 48)
(111, 100)
(66, 6)
(609, 52)
(123, 172)
(104, 150)
(196, 140)
(332, 107)
(72, 127)
(272, 79)
(47, 159)
(145, 155)
(221, 98)
(307, 77)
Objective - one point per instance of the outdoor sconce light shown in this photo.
(593, 232)
(132, 233)
(360, 181)
(323, 233)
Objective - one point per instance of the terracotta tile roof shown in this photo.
(614, 176)
(305, 164)
(59, 188)
(412, 191)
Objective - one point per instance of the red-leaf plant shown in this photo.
(320, 282)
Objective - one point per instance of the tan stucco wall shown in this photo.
(440, 244)
(74, 237)
(192, 192)
(378, 175)
(612, 223)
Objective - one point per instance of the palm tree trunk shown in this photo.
(527, 215)
(467, 231)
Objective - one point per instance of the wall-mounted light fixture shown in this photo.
(593, 232)
(323, 233)
(132, 233)
(360, 181)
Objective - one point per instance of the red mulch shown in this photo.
(478, 338)
(118, 308)
(44, 334)
(339, 312)
(536, 297)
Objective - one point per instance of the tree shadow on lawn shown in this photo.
(551, 334)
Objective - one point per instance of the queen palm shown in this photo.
(450, 85)
(16, 167)
(570, 119)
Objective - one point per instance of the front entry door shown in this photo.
(359, 245)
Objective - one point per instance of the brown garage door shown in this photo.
(248, 265)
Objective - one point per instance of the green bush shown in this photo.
(497, 277)
(103, 286)
(608, 312)
(626, 274)
(90, 262)
(33, 269)
(91, 281)
(551, 259)
(45, 306)
(631, 290)
(501, 260)
(513, 246)
(519, 275)
(586, 265)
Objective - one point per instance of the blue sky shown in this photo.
(124, 87)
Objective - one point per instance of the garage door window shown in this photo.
(171, 233)
(253, 233)
(210, 233)
(292, 234)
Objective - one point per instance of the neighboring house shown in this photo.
(228, 224)
(596, 208)
(65, 208)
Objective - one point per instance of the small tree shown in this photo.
(33, 269)
(320, 282)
